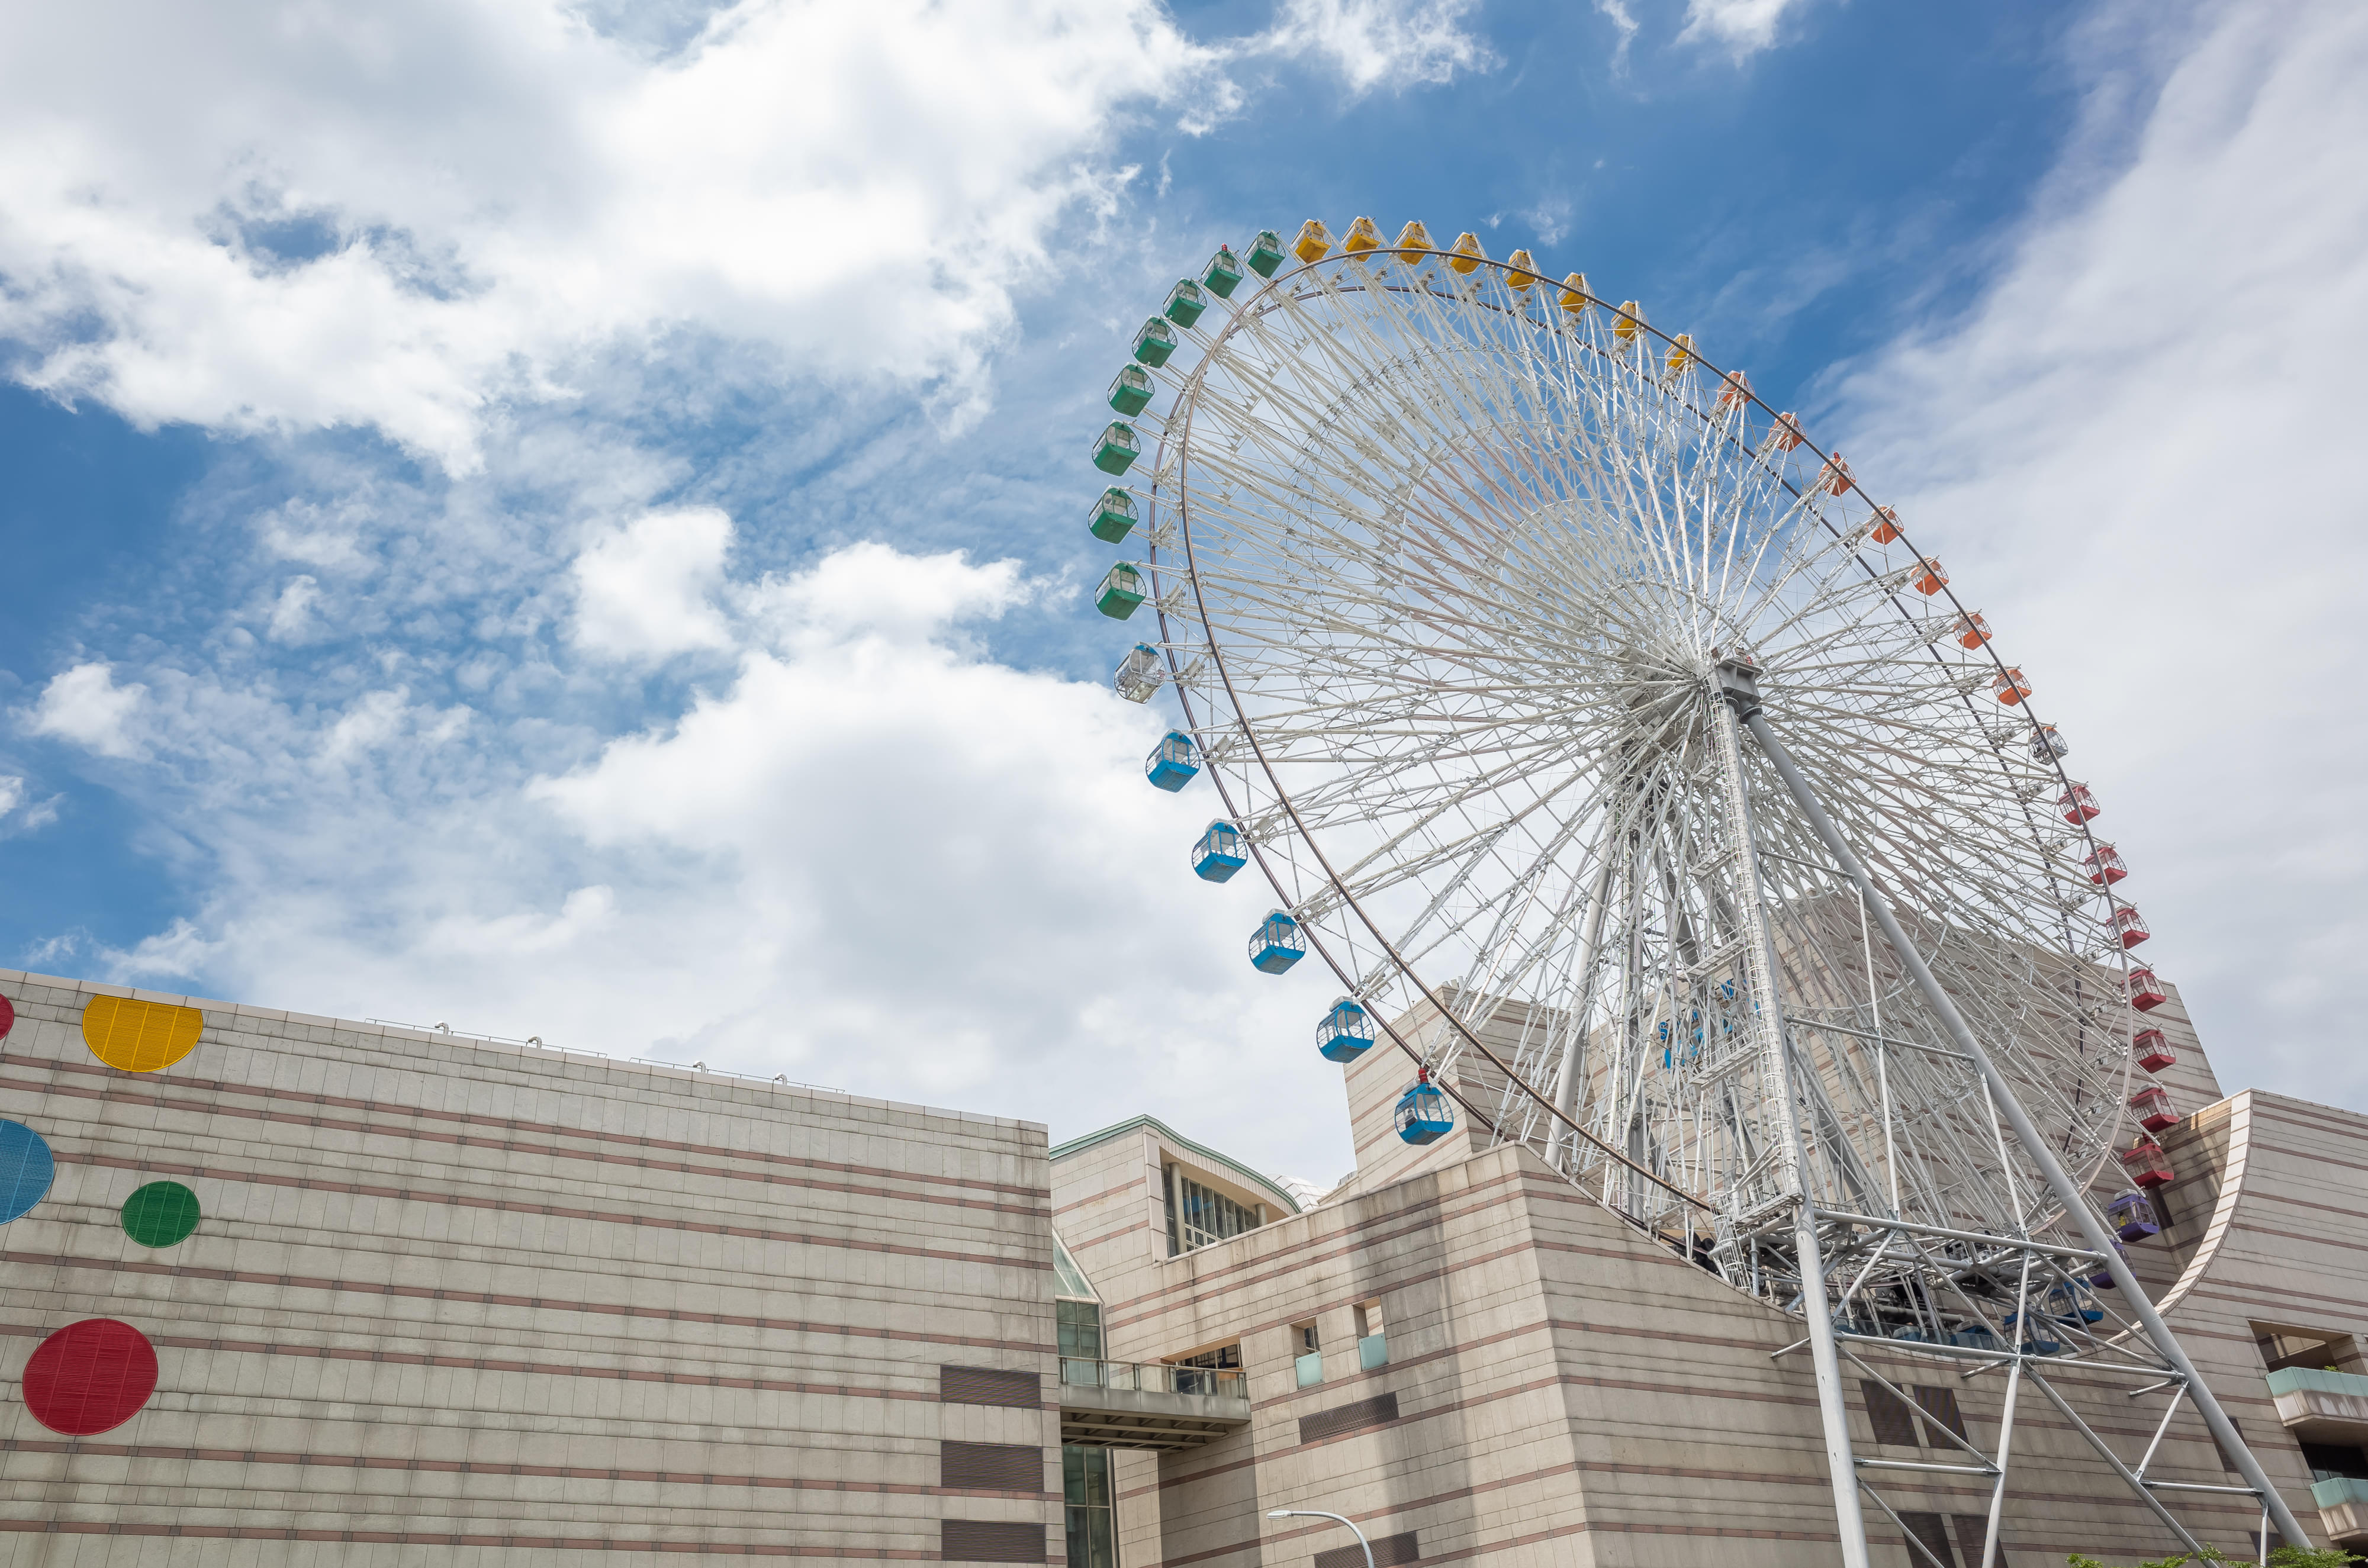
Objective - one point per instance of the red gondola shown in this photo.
(2129, 925)
(2104, 865)
(2146, 1164)
(2153, 1052)
(2078, 804)
(2146, 992)
(2153, 1108)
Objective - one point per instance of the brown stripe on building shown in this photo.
(1389, 1551)
(990, 1467)
(556, 1129)
(989, 1385)
(1354, 1417)
(990, 1541)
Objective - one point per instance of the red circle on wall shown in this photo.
(90, 1376)
(8, 1017)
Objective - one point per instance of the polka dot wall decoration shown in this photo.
(27, 1169)
(160, 1214)
(139, 1037)
(90, 1377)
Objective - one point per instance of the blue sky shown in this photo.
(566, 519)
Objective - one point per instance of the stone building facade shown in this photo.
(1463, 1355)
(410, 1298)
(457, 1302)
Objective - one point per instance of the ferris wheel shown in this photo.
(1643, 783)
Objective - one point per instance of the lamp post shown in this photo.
(1320, 1514)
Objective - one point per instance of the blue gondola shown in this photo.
(1276, 945)
(2133, 1217)
(1217, 854)
(1346, 1033)
(2061, 1305)
(1424, 1115)
(1173, 763)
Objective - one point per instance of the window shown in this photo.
(2330, 1461)
(1895, 1419)
(1223, 1367)
(1307, 1354)
(1372, 1347)
(1068, 1280)
(1079, 1325)
(1077, 1318)
(1200, 1216)
(1086, 1487)
(2283, 1347)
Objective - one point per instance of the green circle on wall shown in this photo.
(160, 1214)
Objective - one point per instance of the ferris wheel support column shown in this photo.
(1590, 942)
(1825, 1355)
(1741, 689)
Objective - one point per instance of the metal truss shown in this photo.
(1469, 585)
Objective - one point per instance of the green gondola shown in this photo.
(1117, 448)
(1154, 342)
(1266, 252)
(1222, 274)
(1186, 301)
(1131, 392)
(1122, 590)
(1113, 518)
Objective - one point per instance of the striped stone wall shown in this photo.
(458, 1302)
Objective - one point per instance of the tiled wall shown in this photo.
(452, 1303)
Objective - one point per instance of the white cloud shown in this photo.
(1740, 26)
(2137, 449)
(646, 589)
(480, 194)
(1380, 43)
(84, 705)
(871, 856)
(292, 612)
(178, 952)
(19, 813)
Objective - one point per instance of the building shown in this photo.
(458, 1302)
(449, 1301)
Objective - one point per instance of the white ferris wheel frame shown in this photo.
(2140, 1345)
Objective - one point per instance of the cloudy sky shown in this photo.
(566, 518)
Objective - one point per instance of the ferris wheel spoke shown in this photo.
(1458, 563)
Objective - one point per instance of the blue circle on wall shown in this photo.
(26, 1169)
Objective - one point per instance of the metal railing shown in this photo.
(1153, 1377)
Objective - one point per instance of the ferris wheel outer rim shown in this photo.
(2106, 1150)
(1313, 935)
(1235, 316)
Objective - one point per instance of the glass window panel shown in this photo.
(1080, 1327)
(1092, 1523)
(1209, 1216)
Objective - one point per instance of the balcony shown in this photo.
(2319, 1406)
(2342, 1507)
(1149, 1404)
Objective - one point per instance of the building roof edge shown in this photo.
(1265, 1183)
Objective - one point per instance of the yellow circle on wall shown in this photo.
(139, 1037)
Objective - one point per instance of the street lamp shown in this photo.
(1320, 1514)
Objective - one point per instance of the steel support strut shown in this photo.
(1741, 689)
(1825, 1356)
